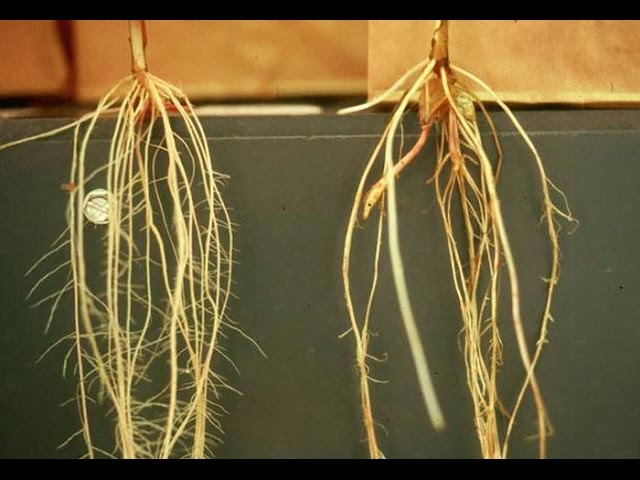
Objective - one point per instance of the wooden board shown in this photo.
(594, 62)
(31, 58)
(230, 58)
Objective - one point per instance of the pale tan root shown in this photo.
(487, 242)
(472, 136)
(360, 332)
(419, 358)
(389, 92)
(480, 376)
(377, 190)
(550, 209)
(120, 331)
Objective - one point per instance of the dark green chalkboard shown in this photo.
(291, 186)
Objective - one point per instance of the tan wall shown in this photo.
(32, 60)
(566, 61)
(231, 58)
(209, 59)
(581, 62)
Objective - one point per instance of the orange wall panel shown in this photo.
(32, 60)
(230, 58)
(530, 61)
